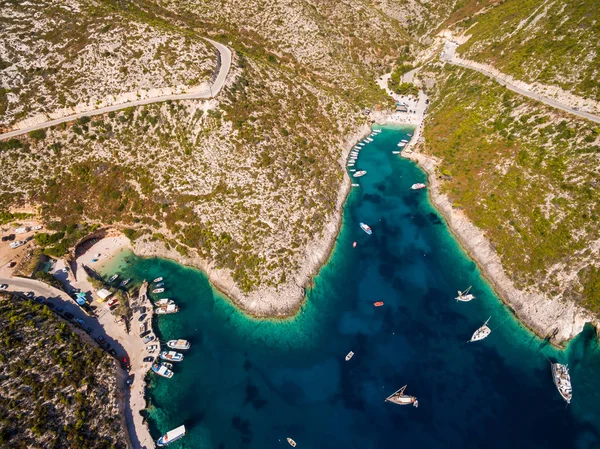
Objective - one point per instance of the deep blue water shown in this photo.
(249, 383)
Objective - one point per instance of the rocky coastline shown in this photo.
(550, 318)
(284, 300)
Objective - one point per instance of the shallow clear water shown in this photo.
(250, 383)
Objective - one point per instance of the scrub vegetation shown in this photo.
(57, 391)
(527, 174)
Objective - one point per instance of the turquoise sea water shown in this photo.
(249, 383)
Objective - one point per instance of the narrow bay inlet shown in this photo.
(250, 382)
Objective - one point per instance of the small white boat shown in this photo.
(171, 356)
(351, 164)
(465, 296)
(366, 228)
(404, 141)
(158, 290)
(125, 282)
(402, 399)
(360, 173)
(170, 436)
(562, 381)
(113, 278)
(164, 302)
(162, 370)
(165, 310)
(377, 131)
(360, 144)
(352, 169)
(355, 185)
(349, 356)
(418, 186)
(179, 344)
(482, 332)
(368, 139)
(401, 145)
(395, 152)
(157, 280)
(292, 442)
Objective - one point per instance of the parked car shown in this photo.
(59, 309)
(151, 348)
(142, 317)
(3, 286)
(143, 309)
(39, 299)
(36, 228)
(88, 330)
(148, 339)
(129, 381)
(145, 333)
(68, 315)
(16, 244)
(9, 237)
(80, 321)
(125, 364)
(29, 295)
(12, 264)
(107, 346)
(49, 305)
(149, 359)
(100, 339)
(113, 352)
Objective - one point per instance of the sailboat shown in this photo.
(402, 399)
(482, 332)
(465, 296)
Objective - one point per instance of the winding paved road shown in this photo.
(212, 91)
(448, 55)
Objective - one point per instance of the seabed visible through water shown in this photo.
(250, 383)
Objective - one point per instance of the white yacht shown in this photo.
(465, 296)
(562, 380)
(482, 332)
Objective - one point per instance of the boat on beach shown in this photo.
(366, 228)
(465, 296)
(482, 332)
(171, 436)
(157, 280)
(158, 290)
(402, 399)
(360, 173)
(113, 278)
(125, 282)
(378, 303)
(171, 356)
(162, 370)
(292, 442)
(418, 186)
(349, 356)
(562, 381)
(166, 309)
(179, 344)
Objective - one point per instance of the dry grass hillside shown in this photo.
(246, 183)
(526, 174)
(59, 54)
(550, 42)
(57, 391)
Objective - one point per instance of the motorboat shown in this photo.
(171, 436)
(179, 344)
(171, 356)
(349, 356)
(366, 228)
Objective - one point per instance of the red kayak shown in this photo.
(378, 304)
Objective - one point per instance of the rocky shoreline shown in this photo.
(284, 300)
(551, 318)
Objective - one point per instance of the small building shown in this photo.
(103, 294)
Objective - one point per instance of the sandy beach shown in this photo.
(134, 402)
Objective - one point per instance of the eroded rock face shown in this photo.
(552, 317)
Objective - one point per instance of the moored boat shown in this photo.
(482, 332)
(465, 296)
(353, 244)
(360, 173)
(125, 282)
(395, 152)
(366, 228)
(166, 309)
(157, 280)
(171, 356)
(418, 186)
(160, 284)
(562, 381)
(171, 436)
(292, 442)
(165, 302)
(355, 185)
(162, 370)
(401, 144)
(178, 344)
(349, 356)
(113, 278)
(158, 290)
(402, 399)
(378, 303)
